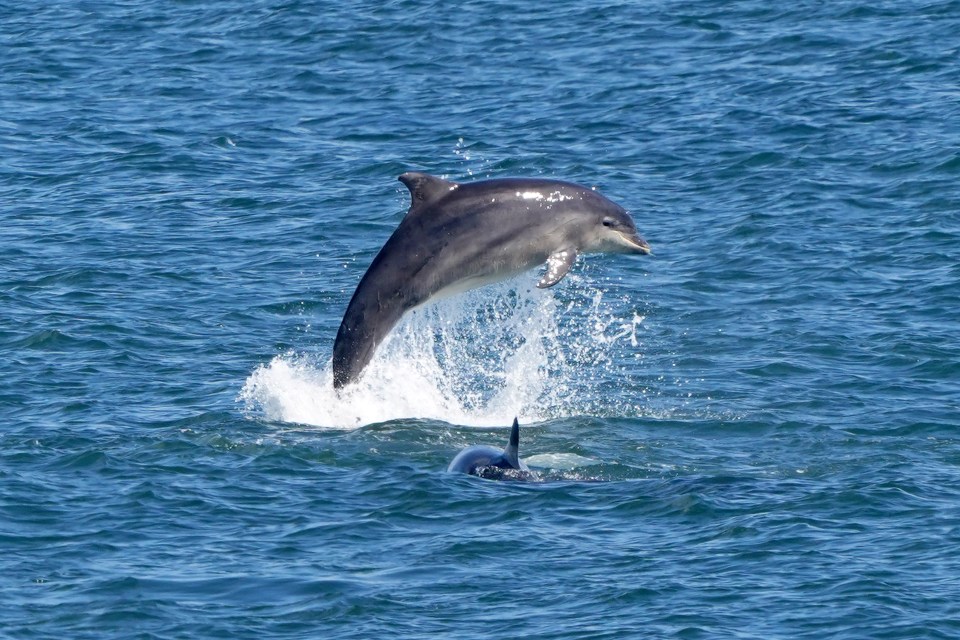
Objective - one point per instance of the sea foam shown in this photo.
(475, 359)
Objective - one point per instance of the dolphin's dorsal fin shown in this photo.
(425, 188)
(510, 453)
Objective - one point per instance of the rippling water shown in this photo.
(751, 434)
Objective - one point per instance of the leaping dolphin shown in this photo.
(490, 462)
(458, 236)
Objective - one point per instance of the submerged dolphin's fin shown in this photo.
(558, 264)
(510, 453)
(425, 188)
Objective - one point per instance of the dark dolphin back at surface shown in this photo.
(490, 462)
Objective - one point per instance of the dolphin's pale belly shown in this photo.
(462, 274)
(475, 282)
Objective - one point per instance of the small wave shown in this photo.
(56, 340)
(477, 359)
(560, 461)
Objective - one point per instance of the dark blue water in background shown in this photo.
(751, 434)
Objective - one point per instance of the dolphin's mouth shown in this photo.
(635, 243)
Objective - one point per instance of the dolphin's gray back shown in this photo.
(390, 286)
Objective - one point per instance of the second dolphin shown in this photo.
(492, 463)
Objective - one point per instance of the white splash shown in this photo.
(476, 359)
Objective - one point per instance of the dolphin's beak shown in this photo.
(635, 243)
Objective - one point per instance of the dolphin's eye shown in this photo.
(609, 222)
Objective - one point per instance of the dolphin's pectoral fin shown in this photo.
(558, 264)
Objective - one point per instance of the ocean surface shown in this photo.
(753, 433)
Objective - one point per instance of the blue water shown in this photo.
(754, 433)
